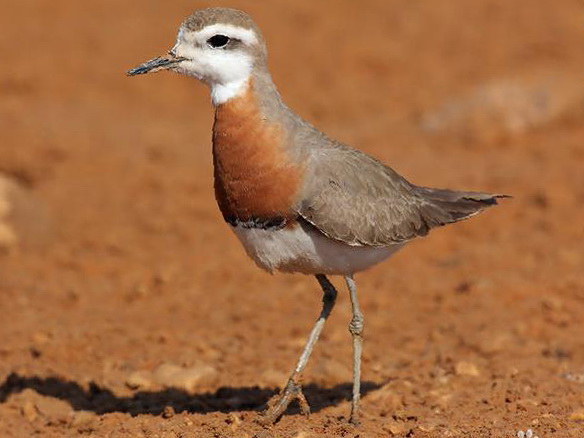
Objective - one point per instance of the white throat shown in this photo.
(221, 93)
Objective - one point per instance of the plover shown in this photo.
(297, 200)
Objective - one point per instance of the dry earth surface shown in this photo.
(129, 309)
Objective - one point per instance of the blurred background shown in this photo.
(130, 309)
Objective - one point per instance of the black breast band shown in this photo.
(262, 223)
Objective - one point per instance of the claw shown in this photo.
(304, 406)
(278, 405)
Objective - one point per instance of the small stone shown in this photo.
(427, 427)
(23, 218)
(168, 412)
(173, 376)
(40, 338)
(574, 377)
(494, 343)
(139, 380)
(396, 428)
(577, 415)
(552, 303)
(53, 409)
(8, 237)
(83, 419)
(234, 421)
(527, 403)
(29, 411)
(463, 368)
(441, 398)
(34, 404)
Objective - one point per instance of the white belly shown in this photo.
(308, 251)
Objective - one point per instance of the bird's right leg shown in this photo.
(293, 389)
(356, 329)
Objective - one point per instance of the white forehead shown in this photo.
(247, 36)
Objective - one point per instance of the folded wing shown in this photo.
(353, 198)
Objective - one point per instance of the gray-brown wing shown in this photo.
(353, 198)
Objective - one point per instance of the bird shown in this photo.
(299, 201)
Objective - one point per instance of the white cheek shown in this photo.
(214, 65)
(228, 66)
(226, 72)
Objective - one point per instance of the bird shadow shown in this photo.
(101, 400)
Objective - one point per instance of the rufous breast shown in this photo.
(255, 180)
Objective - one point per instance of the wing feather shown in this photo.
(353, 198)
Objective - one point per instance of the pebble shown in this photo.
(441, 397)
(168, 412)
(574, 377)
(41, 338)
(494, 343)
(174, 376)
(427, 427)
(83, 419)
(8, 236)
(395, 428)
(23, 218)
(464, 368)
(33, 405)
(577, 415)
(139, 380)
(234, 421)
(54, 409)
(29, 411)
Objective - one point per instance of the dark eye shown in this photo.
(218, 41)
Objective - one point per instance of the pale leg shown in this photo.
(293, 389)
(356, 329)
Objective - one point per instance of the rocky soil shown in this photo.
(129, 309)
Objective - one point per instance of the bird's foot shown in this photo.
(355, 418)
(278, 405)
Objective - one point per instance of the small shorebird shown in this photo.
(297, 200)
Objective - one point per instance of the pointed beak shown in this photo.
(157, 64)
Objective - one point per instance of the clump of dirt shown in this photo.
(24, 218)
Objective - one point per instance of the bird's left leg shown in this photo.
(293, 390)
(356, 329)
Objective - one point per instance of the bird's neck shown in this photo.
(222, 93)
(263, 87)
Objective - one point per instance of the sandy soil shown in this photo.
(128, 308)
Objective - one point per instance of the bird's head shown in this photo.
(219, 46)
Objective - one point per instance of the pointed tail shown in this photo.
(459, 205)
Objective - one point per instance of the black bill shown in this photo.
(156, 64)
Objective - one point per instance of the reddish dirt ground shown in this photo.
(129, 309)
